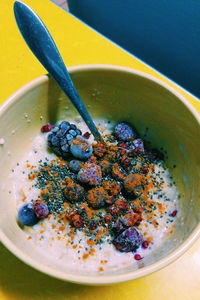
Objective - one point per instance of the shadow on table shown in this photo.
(19, 281)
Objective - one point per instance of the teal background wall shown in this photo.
(163, 33)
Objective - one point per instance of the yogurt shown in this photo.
(56, 237)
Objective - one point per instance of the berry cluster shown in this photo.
(61, 136)
(102, 181)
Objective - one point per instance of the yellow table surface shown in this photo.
(79, 45)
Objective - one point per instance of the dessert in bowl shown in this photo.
(93, 212)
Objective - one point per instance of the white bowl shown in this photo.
(115, 93)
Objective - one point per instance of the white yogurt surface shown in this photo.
(57, 244)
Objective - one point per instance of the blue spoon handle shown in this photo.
(44, 48)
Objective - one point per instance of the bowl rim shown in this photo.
(112, 278)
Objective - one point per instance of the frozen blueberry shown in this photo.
(129, 240)
(80, 148)
(55, 129)
(75, 165)
(54, 141)
(27, 216)
(124, 132)
(69, 137)
(72, 132)
(90, 173)
(65, 148)
(65, 126)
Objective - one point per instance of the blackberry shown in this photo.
(90, 174)
(117, 227)
(124, 132)
(61, 136)
(129, 240)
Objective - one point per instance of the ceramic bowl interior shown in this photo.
(116, 94)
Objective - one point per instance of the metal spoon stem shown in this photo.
(44, 48)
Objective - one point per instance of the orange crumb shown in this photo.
(66, 205)
(85, 256)
(104, 261)
(23, 196)
(90, 242)
(31, 176)
(61, 228)
(149, 239)
(155, 223)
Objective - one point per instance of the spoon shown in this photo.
(44, 48)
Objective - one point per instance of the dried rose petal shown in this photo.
(46, 128)
(122, 145)
(145, 244)
(174, 213)
(125, 162)
(87, 135)
(107, 219)
(137, 257)
(75, 219)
